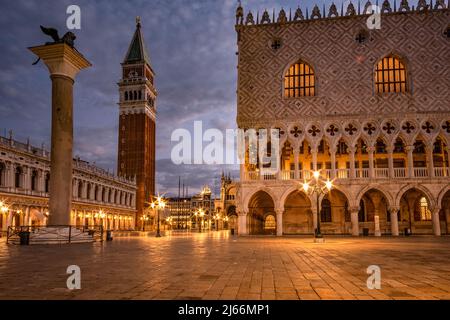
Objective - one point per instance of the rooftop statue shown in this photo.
(68, 38)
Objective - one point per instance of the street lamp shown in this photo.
(160, 203)
(200, 213)
(317, 185)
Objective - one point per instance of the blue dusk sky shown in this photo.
(192, 46)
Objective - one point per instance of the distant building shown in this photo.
(182, 210)
(99, 197)
(225, 205)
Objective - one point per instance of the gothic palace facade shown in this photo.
(99, 197)
(370, 109)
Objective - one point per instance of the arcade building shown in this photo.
(369, 109)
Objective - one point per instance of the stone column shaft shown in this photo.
(436, 222)
(333, 162)
(390, 151)
(314, 152)
(370, 151)
(242, 221)
(296, 167)
(279, 223)
(352, 151)
(394, 222)
(410, 160)
(355, 222)
(430, 161)
(63, 63)
(61, 150)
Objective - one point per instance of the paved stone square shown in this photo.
(218, 266)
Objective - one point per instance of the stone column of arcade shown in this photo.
(63, 63)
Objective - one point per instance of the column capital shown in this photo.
(279, 211)
(371, 149)
(242, 213)
(409, 148)
(353, 209)
(393, 209)
(352, 149)
(61, 59)
(436, 210)
(390, 149)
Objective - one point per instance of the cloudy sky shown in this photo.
(192, 45)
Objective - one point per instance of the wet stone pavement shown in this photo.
(216, 265)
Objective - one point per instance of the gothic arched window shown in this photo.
(299, 81)
(390, 76)
(126, 95)
(425, 213)
(270, 222)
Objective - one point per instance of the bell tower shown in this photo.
(136, 151)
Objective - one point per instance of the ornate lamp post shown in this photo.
(317, 185)
(160, 203)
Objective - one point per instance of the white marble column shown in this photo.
(436, 222)
(333, 161)
(296, 167)
(351, 153)
(314, 152)
(279, 222)
(371, 151)
(394, 221)
(390, 151)
(74, 188)
(40, 181)
(410, 160)
(355, 221)
(430, 160)
(9, 174)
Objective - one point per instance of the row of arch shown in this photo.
(133, 95)
(19, 178)
(390, 76)
(35, 180)
(90, 191)
(413, 207)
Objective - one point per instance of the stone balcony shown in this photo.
(338, 174)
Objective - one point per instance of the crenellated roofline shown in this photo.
(248, 19)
